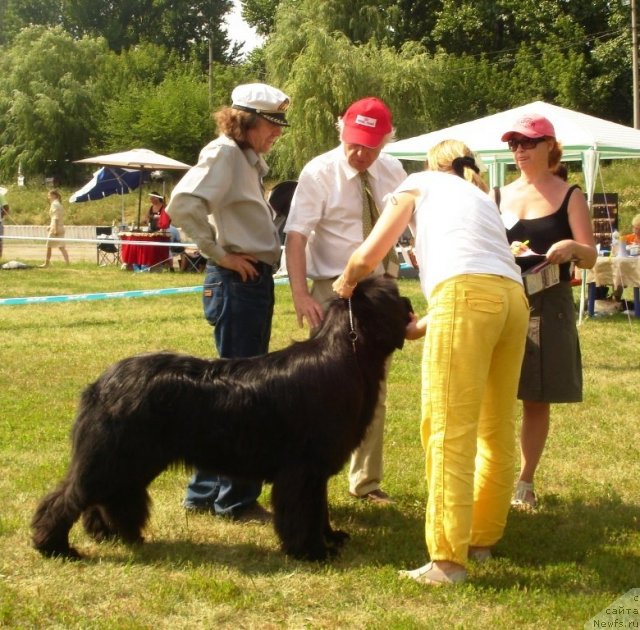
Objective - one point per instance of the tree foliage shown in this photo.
(65, 93)
(260, 14)
(328, 76)
(47, 89)
(17, 14)
(183, 26)
(171, 116)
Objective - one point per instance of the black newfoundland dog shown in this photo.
(290, 418)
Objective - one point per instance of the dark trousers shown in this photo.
(241, 314)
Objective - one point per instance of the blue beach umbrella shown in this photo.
(108, 180)
(142, 160)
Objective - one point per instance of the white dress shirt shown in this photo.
(327, 207)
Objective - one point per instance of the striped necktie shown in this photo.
(370, 214)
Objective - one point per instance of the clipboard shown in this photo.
(540, 276)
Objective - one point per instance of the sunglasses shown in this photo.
(525, 143)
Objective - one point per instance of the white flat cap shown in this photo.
(262, 99)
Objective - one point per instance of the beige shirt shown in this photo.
(56, 213)
(220, 204)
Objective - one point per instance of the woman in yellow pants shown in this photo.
(475, 334)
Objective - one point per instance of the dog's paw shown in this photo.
(336, 537)
(316, 553)
(63, 554)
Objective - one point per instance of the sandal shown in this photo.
(524, 498)
(433, 576)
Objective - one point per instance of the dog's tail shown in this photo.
(53, 518)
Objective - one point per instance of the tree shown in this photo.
(413, 20)
(183, 26)
(16, 14)
(327, 76)
(260, 14)
(47, 106)
(186, 27)
(171, 116)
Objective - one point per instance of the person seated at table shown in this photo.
(634, 237)
(157, 218)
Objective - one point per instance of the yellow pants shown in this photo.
(476, 331)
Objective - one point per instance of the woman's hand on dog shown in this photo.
(343, 288)
(416, 328)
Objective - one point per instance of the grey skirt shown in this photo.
(552, 364)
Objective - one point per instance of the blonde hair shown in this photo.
(441, 156)
(54, 193)
(635, 222)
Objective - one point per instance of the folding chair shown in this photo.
(192, 260)
(106, 253)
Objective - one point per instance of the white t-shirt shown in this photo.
(457, 230)
(327, 207)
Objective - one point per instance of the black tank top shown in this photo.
(543, 232)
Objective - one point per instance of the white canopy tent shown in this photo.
(584, 138)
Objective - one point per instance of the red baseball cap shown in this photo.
(367, 122)
(531, 126)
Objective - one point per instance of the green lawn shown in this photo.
(554, 569)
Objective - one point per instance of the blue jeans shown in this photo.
(241, 314)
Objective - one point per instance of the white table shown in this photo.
(616, 271)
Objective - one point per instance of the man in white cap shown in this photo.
(220, 204)
(326, 223)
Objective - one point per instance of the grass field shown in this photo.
(555, 568)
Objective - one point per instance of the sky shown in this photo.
(239, 31)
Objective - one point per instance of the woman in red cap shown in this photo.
(551, 217)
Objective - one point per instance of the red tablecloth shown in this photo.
(147, 255)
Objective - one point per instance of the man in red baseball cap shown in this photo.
(367, 122)
(326, 223)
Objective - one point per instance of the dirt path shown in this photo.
(31, 253)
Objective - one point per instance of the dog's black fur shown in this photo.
(290, 417)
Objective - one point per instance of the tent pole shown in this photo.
(634, 64)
